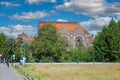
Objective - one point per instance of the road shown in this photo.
(8, 73)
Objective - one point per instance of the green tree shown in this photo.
(3, 44)
(17, 49)
(49, 45)
(107, 43)
(80, 54)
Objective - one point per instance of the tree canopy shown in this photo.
(107, 43)
(3, 43)
(49, 44)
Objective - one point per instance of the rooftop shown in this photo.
(70, 26)
(26, 38)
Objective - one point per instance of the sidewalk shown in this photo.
(8, 73)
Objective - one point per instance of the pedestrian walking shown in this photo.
(7, 61)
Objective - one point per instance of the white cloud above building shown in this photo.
(95, 25)
(91, 7)
(26, 16)
(9, 4)
(15, 30)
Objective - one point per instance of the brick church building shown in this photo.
(73, 32)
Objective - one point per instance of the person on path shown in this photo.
(7, 61)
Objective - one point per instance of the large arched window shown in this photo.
(78, 40)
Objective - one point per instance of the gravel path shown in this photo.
(8, 73)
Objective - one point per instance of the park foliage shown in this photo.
(107, 43)
(49, 46)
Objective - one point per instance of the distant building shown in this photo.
(25, 38)
(73, 32)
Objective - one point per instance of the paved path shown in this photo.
(8, 73)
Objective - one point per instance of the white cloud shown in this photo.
(96, 25)
(5, 30)
(9, 4)
(26, 16)
(38, 1)
(91, 7)
(14, 30)
(61, 20)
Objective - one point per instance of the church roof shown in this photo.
(26, 38)
(70, 26)
(22, 34)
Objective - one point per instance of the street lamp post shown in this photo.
(24, 53)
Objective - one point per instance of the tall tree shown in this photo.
(3, 43)
(49, 44)
(107, 43)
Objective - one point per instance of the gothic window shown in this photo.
(78, 40)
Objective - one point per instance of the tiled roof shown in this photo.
(70, 26)
(26, 38)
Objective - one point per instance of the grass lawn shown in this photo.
(73, 72)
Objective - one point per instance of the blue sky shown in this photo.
(17, 16)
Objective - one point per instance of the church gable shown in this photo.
(63, 31)
(71, 31)
(78, 31)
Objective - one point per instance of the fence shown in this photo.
(28, 77)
